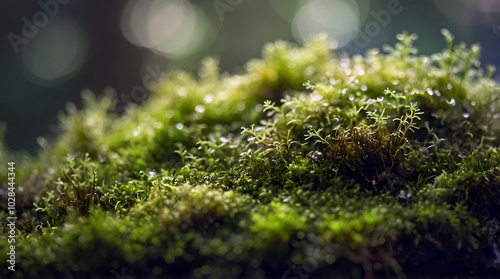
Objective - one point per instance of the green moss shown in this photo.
(276, 221)
(306, 163)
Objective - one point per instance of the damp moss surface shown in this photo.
(307, 164)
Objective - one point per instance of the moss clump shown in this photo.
(308, 163)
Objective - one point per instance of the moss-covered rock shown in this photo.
(309, 163)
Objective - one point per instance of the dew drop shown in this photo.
(200, 108)
(404, 195)
(317, 155)
(169, 114)
(316, 97)
(136, 132)
(179, 126)
(344, 62)
(240, 106)
(208, 98)
(42, 142)
(181, 91)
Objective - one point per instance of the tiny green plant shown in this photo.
(370, 149)
(80, 199)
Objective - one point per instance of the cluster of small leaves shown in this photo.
(476, 182)
(79, 198)
(369, 149)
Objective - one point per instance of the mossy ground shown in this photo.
(306, 164)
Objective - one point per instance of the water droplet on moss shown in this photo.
(179, 126)
(200, 108)
(169, 114)
(240, 106)
(181, 91)
(146, 116)
(208, 98)
(404, 195)
(317, 155)
(41, 141)
(316, 97)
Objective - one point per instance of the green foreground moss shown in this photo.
(308, 163)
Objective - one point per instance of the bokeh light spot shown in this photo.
(172, 28)
(339, 19)
(56, 53)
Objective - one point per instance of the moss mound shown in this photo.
(309, 163)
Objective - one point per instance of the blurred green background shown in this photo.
(51, 50)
